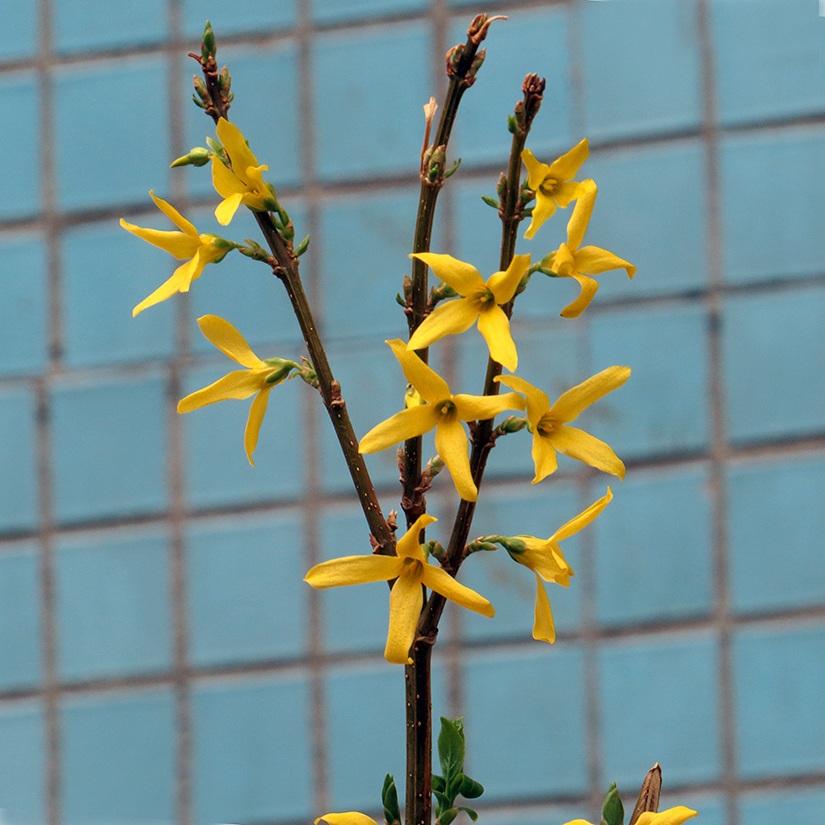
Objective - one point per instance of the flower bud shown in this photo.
(198, 156)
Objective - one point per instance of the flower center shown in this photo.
(547, 425)
(564, 263)
(483, 299)
(549, 186)
(445, 408)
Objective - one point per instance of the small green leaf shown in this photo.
(444, 801)
(490, 201)
(469, 811)
(447, 817)
(470, 789)
(451, 747)
(389, 798)
(613, 810)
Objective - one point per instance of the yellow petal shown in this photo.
(174, 215)
(545, 208)
(565, 167)
(177, 244)
(406, 601)
(253, 423)
(538, 402)
(228, 340)
(589, 288)
(581, 213)
(409, 423)
(442, 582)
(179, 282)
(350, 818)
(451, 446)
(409, 545)
(550, 565)
(543, 628)
(590, 260)
(536, 171)
(504, 284)
(226, 182)
(494, 325)
(482, 407)
(567, 192)
(451, 318)
(583, 446)
(353, 570)
(432, 387)
(237, 384)
(572, 822)
(672, 816)
(234, 142)
(544, 457)
(463, 278)
(573, 401)
(582, 519)
(227, 208)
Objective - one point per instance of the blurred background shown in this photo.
(160, 658)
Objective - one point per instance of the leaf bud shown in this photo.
(490, 201)
(208, 47)
(453, 169)
(302, 247)
(612, 810)
(224, 80)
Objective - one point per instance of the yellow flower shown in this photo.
(568, 261)
(547, 561)
(243, 183)
(259, 377)
(553, 184)
(672, 816)
(442, 411)
(410, 570)
(479, 301)
(200, 249)
(548, 423)
(350, 818)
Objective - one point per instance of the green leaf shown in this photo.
(444, 801)
(448, 816)
(451, 747)
(469, 811)
(389, 798)
(490, 201)
(438, 783)
(470, 789)
(613, 810)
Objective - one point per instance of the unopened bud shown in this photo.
(490, 201)
(302, 247)
(224, 80)
(196, 157)
(512, 424)
(208, 47)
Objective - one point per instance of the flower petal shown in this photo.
(543, 628)
(494, 325)
(451, 446)
(451, 318)
(589, 288)
(226, 182)
(409, 545)
(428, 382)
(177, 244)
(482, 407)
(544, 209)
(590, 260)
(536, 171)
(237, 384)
(544, 457)
(582, 519)
(504, 284)
(581, 213)
(254, 421)
(409, 423)
(573, 401)
(179, 282)
(406, 601)
(565, 167)
(567, 192)
(583, 446)
(234, 142)
(552, 567)
(463, 278)
(350, 818)
(353, 570)
(174, 216)
(228, 340)
(442, 582)
(538, 402)
(672, 816)
(227, 208)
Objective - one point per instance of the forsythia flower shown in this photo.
(553, 184)
(672, 816)
(568, 261)
(200, 249)
(548, 423)
(410, 570)
(480, 301)
(350, 818)
(259, 377)
(442, 411)
(547, 561)
(243, 183)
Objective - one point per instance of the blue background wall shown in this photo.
(160, 659)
